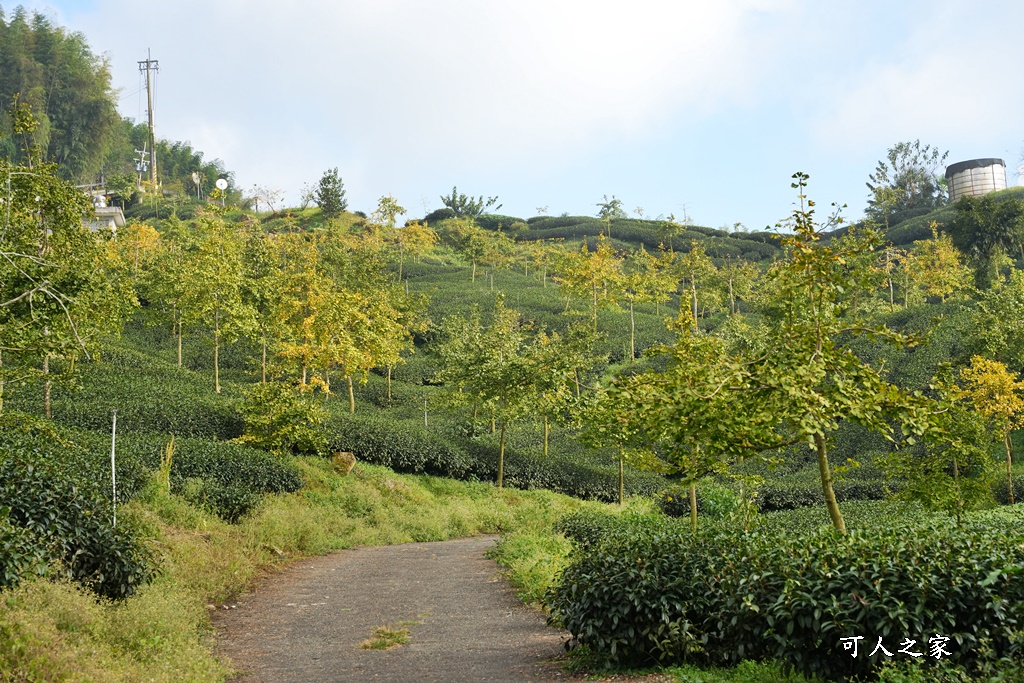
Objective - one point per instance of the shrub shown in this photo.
(713, 501)
(278, 418)
(21, 552)
(653, 591)
(72, 521)
(229, 502)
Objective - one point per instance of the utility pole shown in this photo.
(149, 66)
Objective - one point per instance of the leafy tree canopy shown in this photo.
(330, 194)
(465, 206)
(907, 178)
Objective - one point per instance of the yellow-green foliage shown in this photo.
(54, 631)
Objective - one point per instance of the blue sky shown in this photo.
(696, 107)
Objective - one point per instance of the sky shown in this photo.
(687, 107)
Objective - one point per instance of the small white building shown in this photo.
(104, 216)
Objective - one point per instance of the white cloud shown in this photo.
(953, 79)
(459, 82)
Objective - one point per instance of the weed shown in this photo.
(388, 637)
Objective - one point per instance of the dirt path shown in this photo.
(306, 624)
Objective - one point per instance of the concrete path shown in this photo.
(306, 624)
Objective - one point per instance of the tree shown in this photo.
(951, 470)
(330, 194)
(61, 286)
(610, 418)
(935, 268)
(216, 298)
(169, 280)
(591, 274)
(643, 280)
(415, 239)
(479, 246)
(69, 89)
(387, 211)
(985, 229)
(702, 412)
(695, 268)
(496, 366)
(610, 209)
(996, 393)
(561, 358)
(259, 288)
(909, 180)
(810, 379)
(464, 206)
(738, 277)
(998, 322)
(715, 405)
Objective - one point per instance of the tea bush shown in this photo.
(713, 500)
(49, 514)
(235, 475)
(149, 395)
(405, 447)
(21, 552)
(651, 590)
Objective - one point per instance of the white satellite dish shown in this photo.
(221, 184)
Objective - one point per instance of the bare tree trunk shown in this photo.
(351, 396)
(545, 276)
(46, 387)
(693, 289)
(179, 341)
(826, 486)
(547, 431)
(632, 333)
(576, 372)
(501, 456)
(622, 480)
(263, 360)
(959, 498)
(1009, 463)
(216, 353)
(693, 506)
(473, 276)
(389, 383)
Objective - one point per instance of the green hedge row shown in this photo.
(407, 448)
(227, 478)
(149, 395)
(649, 590)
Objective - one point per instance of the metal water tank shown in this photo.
(975, 178)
